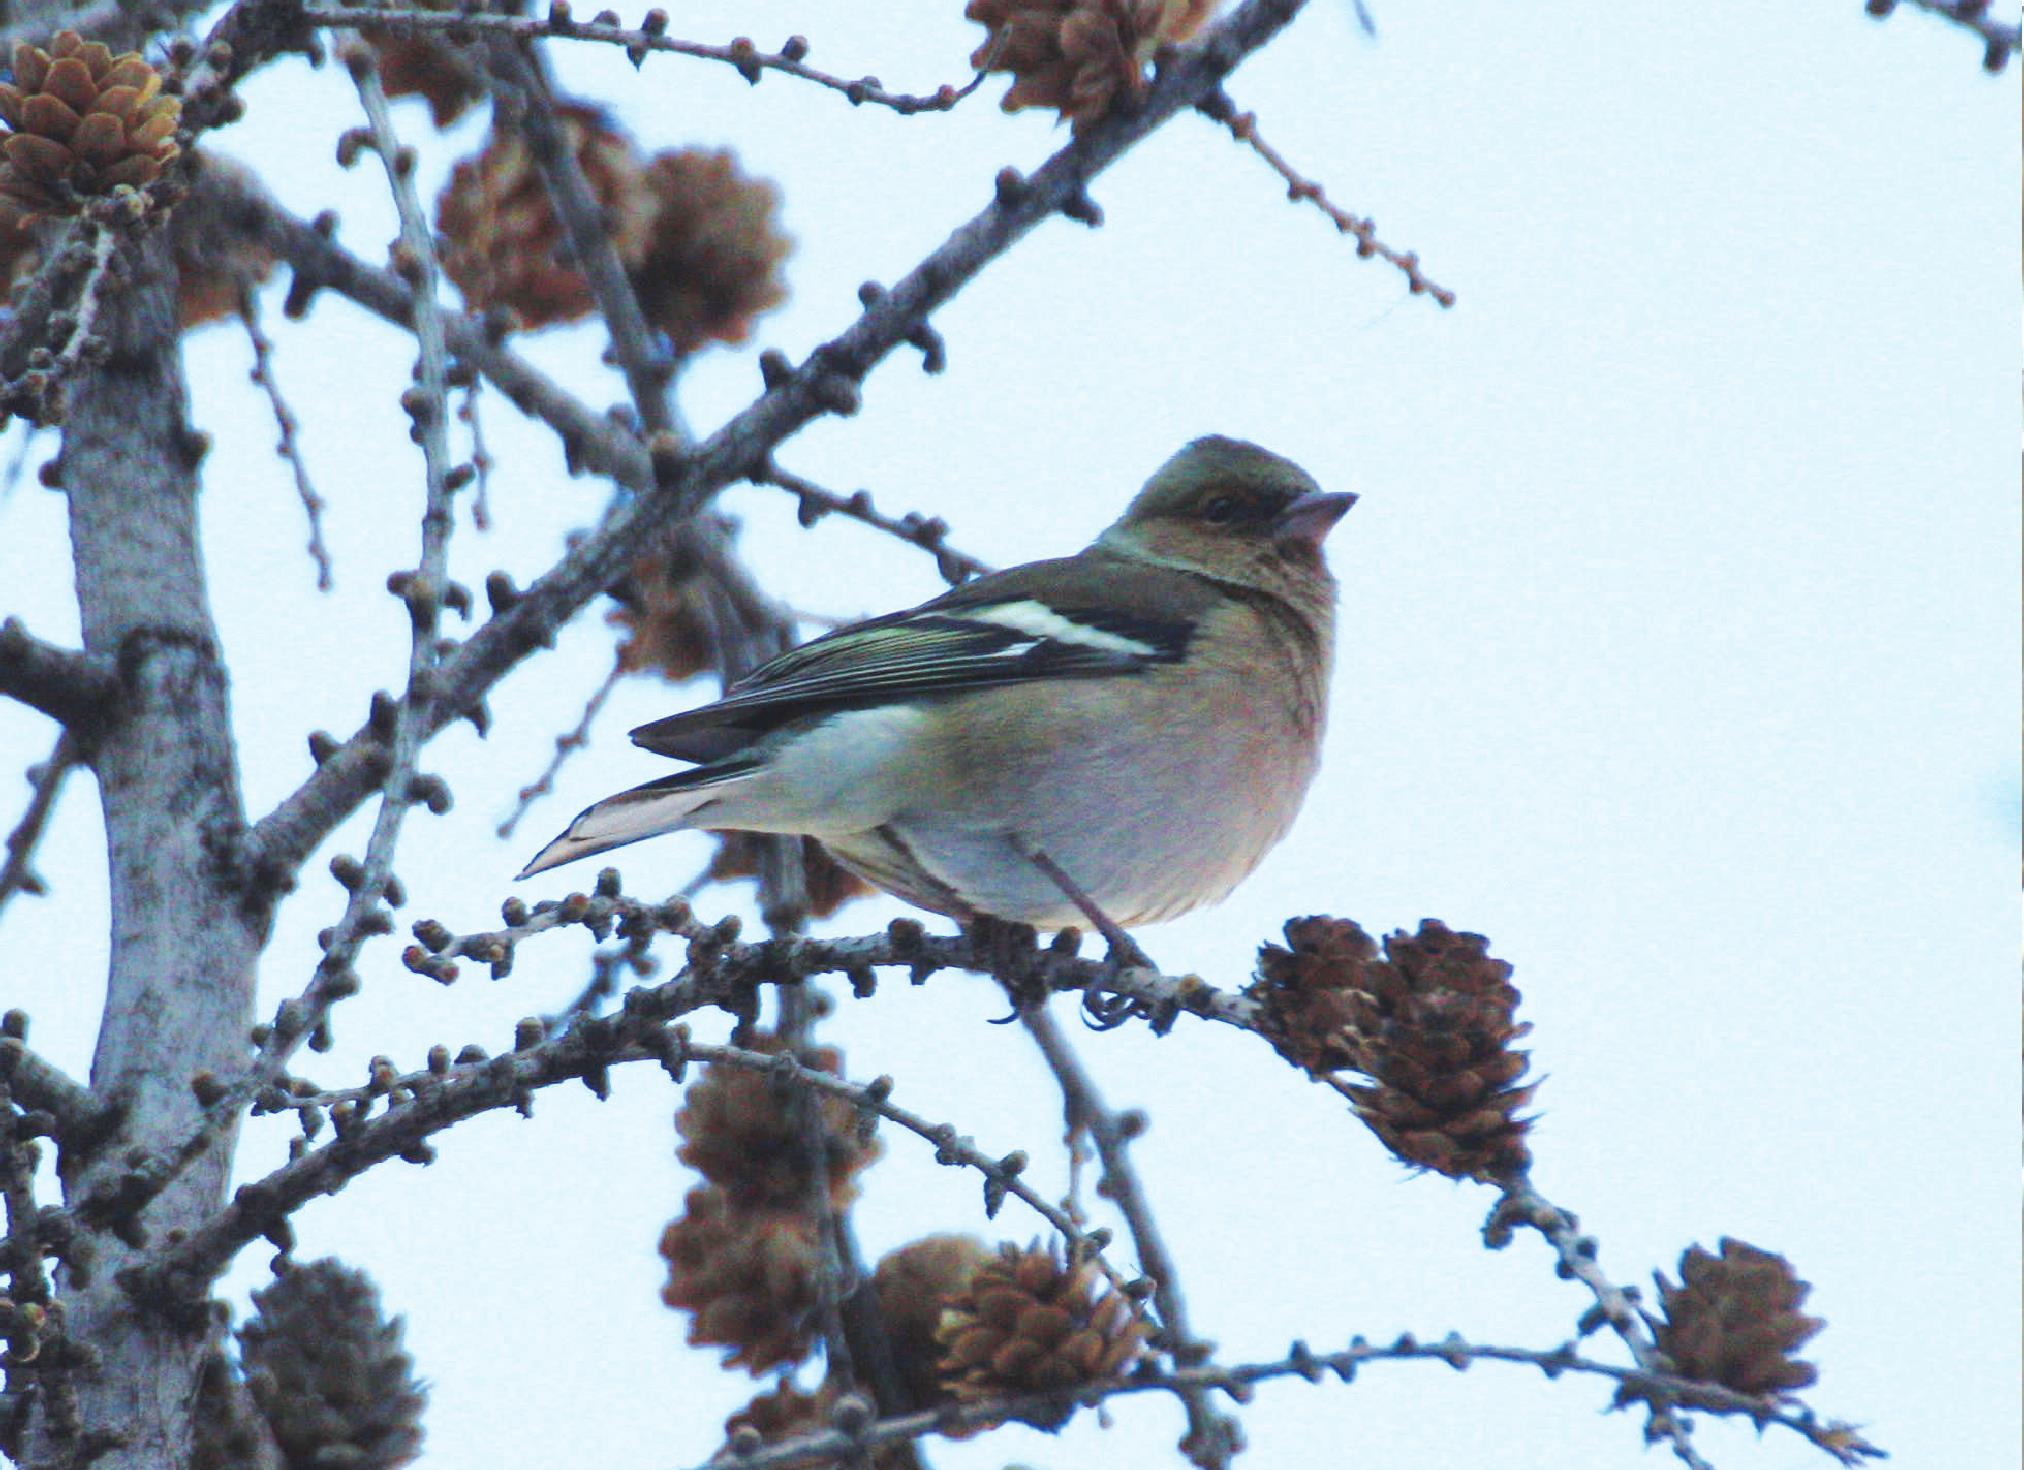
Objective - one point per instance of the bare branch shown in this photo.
(17, 873)
(927, 532)
(522, 89)
(423, 591)
(1213, 1439)
(1839, 1441)
(289, 445)
(78, 689)
(1243, 127)
(81, 1118)
(750, 61)
(566, 745)
(419, 1105)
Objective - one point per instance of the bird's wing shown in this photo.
(991, 631)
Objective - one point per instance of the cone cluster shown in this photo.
(697, 237)
(744, 1256)
(81, 122)
(1030, 1322)
(1734, 1319)
(1432, 1025)
(1082, 58)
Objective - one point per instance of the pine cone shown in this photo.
(663, 610)
(426, 64)
(327, 1370)
(740, 1131)
(1080, 57)
(1432, 1026)
(1734, 1319)
(504, 245)
(218, 261)
(1030, 1324)
(712, 259)
(83, 122)
(748, 1280)
(914, 1285)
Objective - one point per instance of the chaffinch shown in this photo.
(1139, 721)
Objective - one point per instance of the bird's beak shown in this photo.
(1312, 517)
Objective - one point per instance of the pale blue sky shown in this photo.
(1679, 656)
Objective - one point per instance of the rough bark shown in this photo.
(180, 986)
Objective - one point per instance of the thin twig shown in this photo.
(289, 445)
(750, 61)
(45, 784)
(1838, 1440)
(565, 746)
(416, 1106)
(469, 415)
(408, 721)
(1213, 1438)
(1243, 127)
(523, 89)
(36, 393)
(927, 532)
(1999, 39)
(1578, 1258)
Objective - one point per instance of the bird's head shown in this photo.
(1234, 512)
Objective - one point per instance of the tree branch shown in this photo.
(1839, 1441)
(1213, 1438)
(750, 61)
(78, 689)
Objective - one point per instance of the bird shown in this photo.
(1119, 735)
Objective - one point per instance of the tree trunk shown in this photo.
(179, 994)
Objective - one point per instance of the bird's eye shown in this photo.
(1221, 510)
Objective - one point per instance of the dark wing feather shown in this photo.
(989, 632)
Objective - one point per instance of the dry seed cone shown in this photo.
(1081, 58)
(1030, 1323)
(743, 1132)
(713, 252)
(81, 122)
(426, 64)
(915, 1285)
(748, 1280)
(327, 1369)
(830, 885)
(506, 248)
(1432, 1025)
(1734, 1319)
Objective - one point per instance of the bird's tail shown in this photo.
(666, 805)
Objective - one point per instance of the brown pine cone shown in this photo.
(713, 251)
(504, 245)
(1432, 1025)
(83, 122)
(1734, 1319)
(326, 1367)
(740, 1131)
(747, 1279)
(426, 64)
(1028, 1323)
(915, 1284)
(786, 1412)
(1080, 57)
